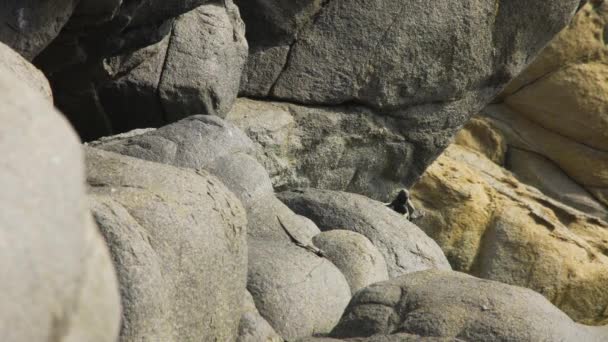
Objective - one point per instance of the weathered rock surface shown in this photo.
(210, 143)
(11, 62)
(28, 27)
(155, 74)
(405, 247)
(557, 107)
(54, 265)
(583, 164)
(348, 149)
(354, 255)
(297, 292)
(363, 54)
(177, 237)
(455, 305)
(494, 227)
(253, 327)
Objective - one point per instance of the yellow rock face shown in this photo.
(558, 107)
(492, 226)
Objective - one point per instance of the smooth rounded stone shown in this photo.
(24, 71)
(196, 142)
(58, 281)
(178, 240)
(405, 247)
(354, 255)
(253, 327)
(29, 26)
(455, 305)
(297, 292)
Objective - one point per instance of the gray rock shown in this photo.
(29, 26)
(253, 327)
(25, 72)
(141, 64)
(407, 60)
(405, 247)
(203, 66)
(456, 305)
(177, 237)
(354, 255)
(343, 148)
(58, 282)
(297, 292)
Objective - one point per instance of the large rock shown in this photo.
(346, 149)
(297, 292)
(494, 227)
(354, 255)
(455, 305)
(58, 282)
(177, 238)
(406, 60)
(400, 337)
(29, 26)
(152, 74)
(210, 143)
(405, 247)
(569, 131)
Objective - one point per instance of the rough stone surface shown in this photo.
(54, 265)
(347, 149)
(405, 247)
(177, 238)
(536, 170)
(253, 327)
(203, 66)
(405, 60)
(25, 72)
(354, 255)
(29, 26)
(494, 227)
(558, 105)
(210, 143)
(150, 73)
(585, 165)
(297, 292)
(455, 305)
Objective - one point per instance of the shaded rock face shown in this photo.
(557, 108)
(54, 265)
(334, 53)
(404, 246)
(494, 227)
(455, 305)
(150, 75)
(29, 26)
(177, 238)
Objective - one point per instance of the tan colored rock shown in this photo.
(582, 40)
(558, 107)
(492, 226)
(481, 136)
(24, 71)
